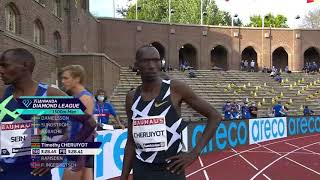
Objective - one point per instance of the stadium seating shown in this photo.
(296, 90)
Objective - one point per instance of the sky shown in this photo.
(244, 8)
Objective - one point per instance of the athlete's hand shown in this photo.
(40, 171)
(181, 161)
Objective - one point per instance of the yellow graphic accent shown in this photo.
(159, 104)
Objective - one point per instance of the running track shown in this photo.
(293, 158)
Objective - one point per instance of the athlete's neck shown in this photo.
(77, 90)
(151, 85)
(25, 87)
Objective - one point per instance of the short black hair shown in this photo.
(20, 54)
(139, 52)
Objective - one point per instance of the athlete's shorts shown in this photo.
(13, 171)
(147, 171)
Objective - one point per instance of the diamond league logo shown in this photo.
(26, 102)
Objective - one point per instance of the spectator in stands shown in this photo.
(252, 65)
(278, 110)
(236, 105)
(278, 78)
(227, 110)
(103, 109)
(245, 111)
(192, 73)
(241, 65)
(246, 65)
(265, 69)
(253, 110)
(235, 111)
(286, 69)
(163, 65)
(307, 111)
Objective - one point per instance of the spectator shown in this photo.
(246, 65)
(235, 110)
(227, 110)
(245, 111)
(252, 65)
(278, 110)
(241, 65)
(286, 69)
(307, 111)
(253, 110)
(103, 109)
(278, 78)
(192, 73)
(163, 65)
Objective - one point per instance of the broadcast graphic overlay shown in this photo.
(44, 127)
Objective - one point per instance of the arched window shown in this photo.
(57, 8)
(12, 18)
(38, 32)
(57, 41)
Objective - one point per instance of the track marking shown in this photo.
(294, 161)
(303, 148)
(283, 156)
(304, 153)
(250, 164)
(204, 171)
(284, 140)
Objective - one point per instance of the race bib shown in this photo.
(15, 138)
(150, 133)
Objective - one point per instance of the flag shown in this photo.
(311, 1)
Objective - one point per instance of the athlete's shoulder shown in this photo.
(52, 91)
(178, 85)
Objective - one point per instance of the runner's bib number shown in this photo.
(150, 133)
(15, 138)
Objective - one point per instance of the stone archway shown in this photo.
(219, 57)
(311, 55)
(188, 56)
(249, 54)
(280, 58)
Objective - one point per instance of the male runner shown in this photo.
(16, 67)
(154, 142)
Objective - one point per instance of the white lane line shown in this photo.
(204, 171)
(303, 149)
(228, 157)
(294, 161)
(304, 153)
(283, 156)
(246, 160)
(250, 163)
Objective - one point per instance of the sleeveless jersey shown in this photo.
(12, 106)
(76, 125)
(160, 106)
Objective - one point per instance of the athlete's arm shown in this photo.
(129, 149)
(87, 101)
(89, 123)
(186, 94)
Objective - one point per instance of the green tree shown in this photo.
(185, 11)
(270, 20)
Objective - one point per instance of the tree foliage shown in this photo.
(312, 19)
(279, 21)
(184, 11)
